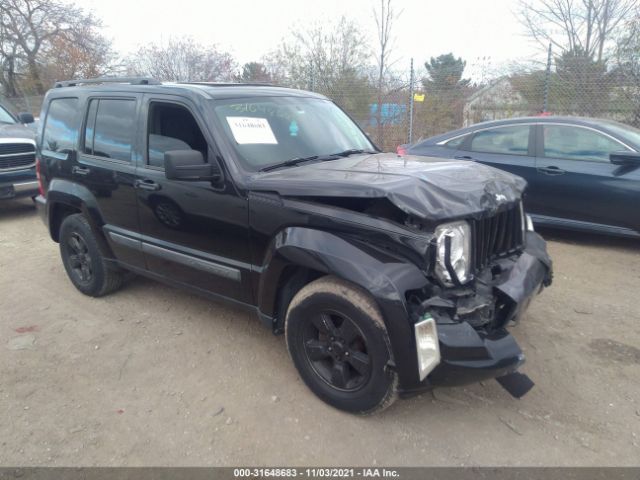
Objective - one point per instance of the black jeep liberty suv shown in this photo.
(387, 274)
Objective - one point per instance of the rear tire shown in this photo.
(338, 341)
(84, 258)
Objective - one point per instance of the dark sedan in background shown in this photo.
(583, 174)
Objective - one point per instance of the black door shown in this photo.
(510, 148)
(104, 166)
(194, 232)
(579, 181)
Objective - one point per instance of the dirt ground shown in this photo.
(155, 376)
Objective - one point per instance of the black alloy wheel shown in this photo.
(338, 341)
(79, 258)
(85, 258)
(337, 350)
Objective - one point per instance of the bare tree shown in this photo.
(586, 26)
(31, 29)
(183, 60)
(8, 65)
(384, 18)
(332, 59)
(318, 55)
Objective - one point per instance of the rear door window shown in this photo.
(576, 143)
(60, 133)
(112, 132)
(504, 140)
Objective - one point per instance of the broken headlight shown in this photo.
(453, 255)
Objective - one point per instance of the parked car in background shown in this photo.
(387, 276)
(17, 155)
(583, 174)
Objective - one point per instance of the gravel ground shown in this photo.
(155, 376)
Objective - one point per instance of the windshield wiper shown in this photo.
(288, 163)
(351, 151)
(295, 161)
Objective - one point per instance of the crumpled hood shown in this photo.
(15, 131)
(429, 188)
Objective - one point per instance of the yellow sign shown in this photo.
(418, 97)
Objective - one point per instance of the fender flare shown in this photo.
(78, 197)
(380, 274)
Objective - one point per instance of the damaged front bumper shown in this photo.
(472, 327)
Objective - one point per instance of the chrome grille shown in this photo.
(16, 155)
(497, 236)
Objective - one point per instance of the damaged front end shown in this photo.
(443, 247)
(472, 320)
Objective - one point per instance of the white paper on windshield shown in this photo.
(249, 130)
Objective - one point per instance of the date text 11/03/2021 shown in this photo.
(316, 472)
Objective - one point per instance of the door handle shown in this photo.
(551, 170)
(146, 184)
(463, 157)
(80, 170)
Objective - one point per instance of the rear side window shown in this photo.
(110, 128)
(505, 140)
(60, 130)
(455, 143)
(575, 143)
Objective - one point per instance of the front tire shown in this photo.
(338, 341)
(84, 259)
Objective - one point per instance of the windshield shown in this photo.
(625, 131)
(5, 117)
(270, 130)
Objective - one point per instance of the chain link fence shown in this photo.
(413, 107)
(410, 106)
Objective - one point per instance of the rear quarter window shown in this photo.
(60, 133)
(512, 140)
(110, 128)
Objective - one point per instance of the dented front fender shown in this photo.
(386, 277)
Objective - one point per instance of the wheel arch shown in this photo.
(66, 198)
(299, 255)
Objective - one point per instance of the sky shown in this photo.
(484, 33)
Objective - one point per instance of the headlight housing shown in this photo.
(453, 255)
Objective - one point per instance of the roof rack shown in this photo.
(129, 80)
(229, 84)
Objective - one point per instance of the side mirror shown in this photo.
(188, 165)
(25, 117)
(625, 158)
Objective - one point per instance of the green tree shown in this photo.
(255, 72)
(446, 92)
(582, 83)
(445, 74)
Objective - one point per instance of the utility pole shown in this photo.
(411, 81)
